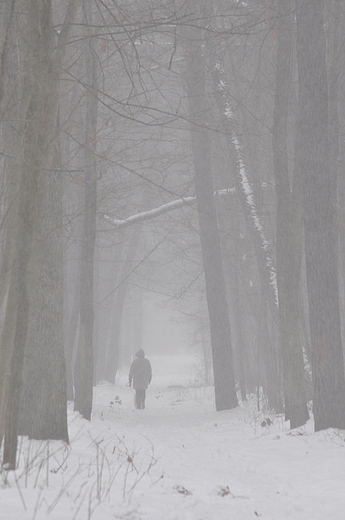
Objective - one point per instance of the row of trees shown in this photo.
(189, 149)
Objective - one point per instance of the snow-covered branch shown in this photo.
(243, 177)
(160, 210)
(151, 213)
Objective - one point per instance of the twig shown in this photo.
(19, 490)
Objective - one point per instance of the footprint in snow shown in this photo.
(182, 490)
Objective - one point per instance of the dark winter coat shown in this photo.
(140, 372)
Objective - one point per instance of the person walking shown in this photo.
(140, 374)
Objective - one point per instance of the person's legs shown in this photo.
(137, 399)
(141, 399)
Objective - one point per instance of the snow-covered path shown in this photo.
(232, 466)
(180, 460)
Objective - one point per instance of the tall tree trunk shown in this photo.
(227, 211)
(319, 219)
(12, 125)
(31, 154)
(244, 185)
(243, 179)
(96, 328)
(39, 204)
(83, 373)
(223, 369)
(335, 17)
(73, 202)
(20, 288)
(287, 267)
(44, 413)
(206, 349)
(138, 325)
(266, 375)
(44, 410)
(114, 344)
(10, 87)
(7, 15)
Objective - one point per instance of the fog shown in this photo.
(171, 180)
(163, 334)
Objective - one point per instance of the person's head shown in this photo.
(140, 353)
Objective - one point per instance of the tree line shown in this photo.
(191, 149)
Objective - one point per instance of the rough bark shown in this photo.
(40, 204)
(245, 192)
(83, 373)
(10, 63)
(244, 183)
(227, 210)
(223, 370)
(335, 19)
(29, 164)
(14, 175)
(319, 219)
(7, 10)
(43, 412)
(21, 296)
(287, 267)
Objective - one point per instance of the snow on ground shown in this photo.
(177, 460)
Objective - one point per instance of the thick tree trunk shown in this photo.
(287, 267)
(14, 175)
(320, 230)
(335, 27)
(223, 369)
(7, 15)
(227, 211)
(10, 127)
(73, 201)
(20, 285)
(44, 411)
(38, 114)
(83, 373)
(138, 326)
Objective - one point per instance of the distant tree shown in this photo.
(113, 354)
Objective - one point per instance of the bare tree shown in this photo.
(288, 265)
(224, 379)
(320, 231)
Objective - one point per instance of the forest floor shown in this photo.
(178, 459)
